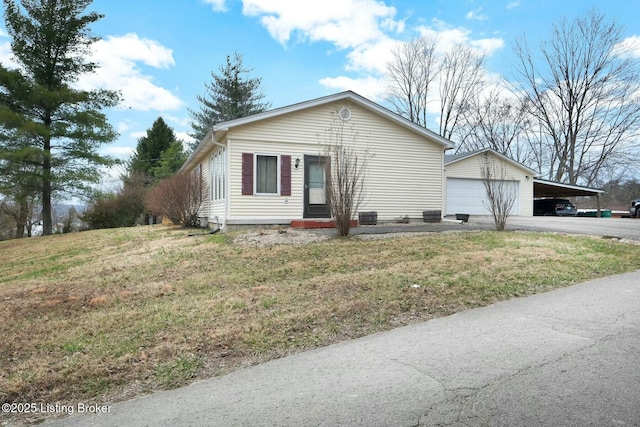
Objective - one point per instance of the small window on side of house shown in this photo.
(218, 175)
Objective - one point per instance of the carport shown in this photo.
(544, 188)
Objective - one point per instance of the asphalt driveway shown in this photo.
(621, 228)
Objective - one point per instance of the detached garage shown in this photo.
(465, 190)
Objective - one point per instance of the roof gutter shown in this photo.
(195, 153)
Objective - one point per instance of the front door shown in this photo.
(315, 187)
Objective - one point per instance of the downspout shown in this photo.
(226, 181)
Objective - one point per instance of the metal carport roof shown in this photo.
(544, 188)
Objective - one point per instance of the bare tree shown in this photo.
(411, 74)
(501, 191)
(346, 172)
(419, 74)
(583, 99)
(462, 78)
(498, 122)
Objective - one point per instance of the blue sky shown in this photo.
(160, 53)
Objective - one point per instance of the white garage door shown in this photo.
(468, 196)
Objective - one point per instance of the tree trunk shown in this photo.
(47, 221)
(21, 218)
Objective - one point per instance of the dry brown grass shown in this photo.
(106, 315)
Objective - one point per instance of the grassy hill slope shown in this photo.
(106, 315)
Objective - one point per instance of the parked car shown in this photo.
(555, 207)
(634, 210)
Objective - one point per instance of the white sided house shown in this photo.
(465, 182)
(269, 168)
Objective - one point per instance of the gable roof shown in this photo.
(221, 128)
(347, 95)
(453, 158)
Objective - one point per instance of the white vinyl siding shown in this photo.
(263, 208)
(203, 172)
(404, 176)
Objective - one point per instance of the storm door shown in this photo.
(316, 204)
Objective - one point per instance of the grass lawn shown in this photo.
(106, 315)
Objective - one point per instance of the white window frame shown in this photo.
(212, 174)
(255, 173)
(218, 177)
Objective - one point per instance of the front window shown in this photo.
(266, 174)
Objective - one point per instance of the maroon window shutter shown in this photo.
(285, 175)
(247, 174)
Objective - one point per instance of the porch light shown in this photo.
(297, 162)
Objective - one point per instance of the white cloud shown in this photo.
(373, 88)
(477, 15)
(124, 126)
(6, 56)
(367, 29)
(513, 5)
(130, 47)
(218, 5)
(121, 152)
(137, 135)
(119, 58)
(344, 23)
(448, 37)
(179, 121)
(372, 57)
(487, 46)
(185, 138)
(363, 27)
(631, 46)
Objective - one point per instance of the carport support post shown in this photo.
(599, 213)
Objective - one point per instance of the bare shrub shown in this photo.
(345, 174)
(177, 198)
(501, 193)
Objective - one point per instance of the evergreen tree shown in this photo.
(47, 127)
(148, 155)
(229, 96)
(171, 160)
(159, 154)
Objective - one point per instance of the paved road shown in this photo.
(570, 357)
